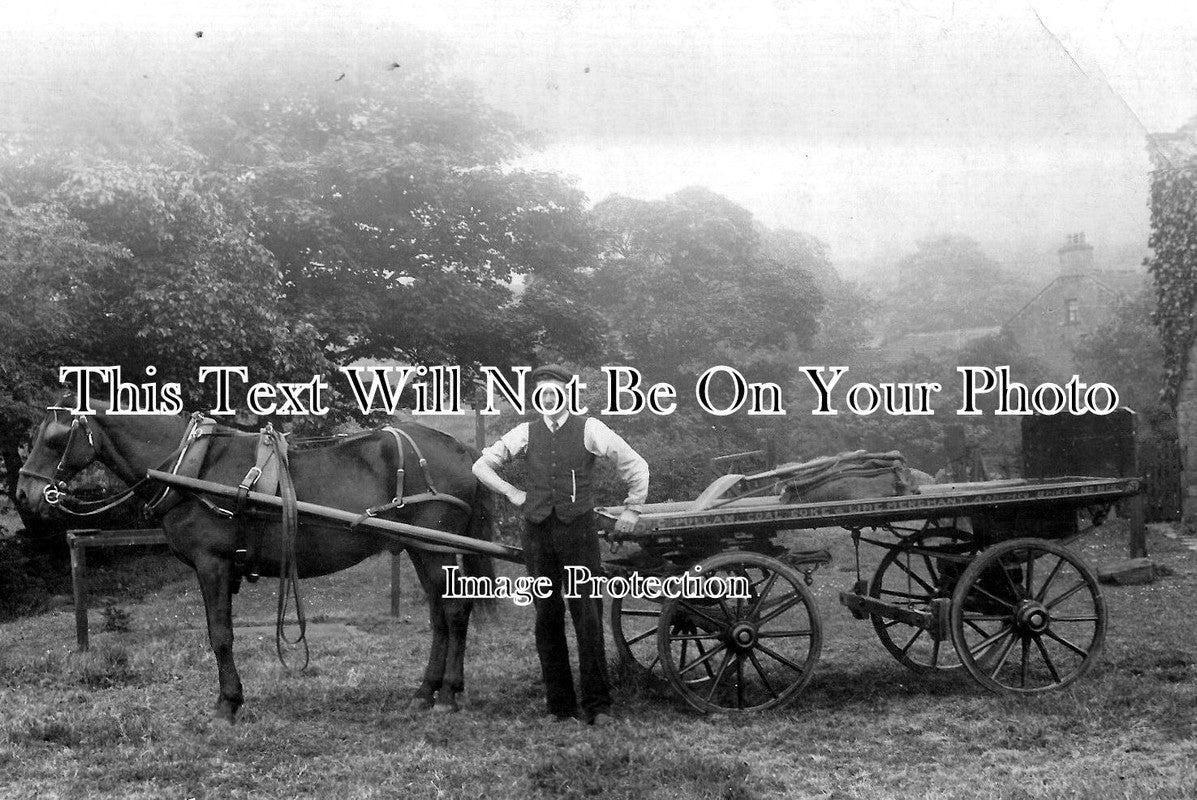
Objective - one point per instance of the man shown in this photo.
(558, 511)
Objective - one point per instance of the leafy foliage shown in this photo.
(290, 226)
(396, 226)
(1173, 263)
(920, 438)
(1126, 351)
(42, 253)
(947, 283)
(685, 284)
(23, 585)
(196, 288)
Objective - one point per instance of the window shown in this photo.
(1072, 314)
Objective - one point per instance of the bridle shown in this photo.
(55, 491)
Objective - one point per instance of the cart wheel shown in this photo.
(1028, 616)
(745, 654)
(912, 580)
(634, 630)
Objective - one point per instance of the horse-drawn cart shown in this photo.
(974, 576)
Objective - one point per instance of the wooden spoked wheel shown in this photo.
(1028, 616)
(925, 567)
(634, 631)
(741, 654)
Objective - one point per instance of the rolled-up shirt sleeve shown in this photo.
(509, 446)
(630, 465)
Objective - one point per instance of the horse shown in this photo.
(353, 473)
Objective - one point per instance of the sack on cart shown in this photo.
(854, 475)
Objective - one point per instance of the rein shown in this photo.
(55, 494)
(288, 570)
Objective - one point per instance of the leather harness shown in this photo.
(266, 475)
(269, 474)
(400, 500)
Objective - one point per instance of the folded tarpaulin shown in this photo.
(847, 476)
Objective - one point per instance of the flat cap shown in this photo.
(551, 372)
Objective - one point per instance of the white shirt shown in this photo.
(597, 439)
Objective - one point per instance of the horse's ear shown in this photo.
(61, 400)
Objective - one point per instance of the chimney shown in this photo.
(1076, 256)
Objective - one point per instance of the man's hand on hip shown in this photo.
(517, 497)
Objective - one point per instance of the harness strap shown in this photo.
(55, 490)
(400, 500)
(263, 477)
(192, 450)
(288, 572)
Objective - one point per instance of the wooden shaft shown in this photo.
(416, 534)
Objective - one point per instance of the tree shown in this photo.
(42, 250)
(947, 283)
(920, 438)
(185, 282)
(399, 229)
(844, 319)
(685, 284)
(1125, 351)
(291, 225)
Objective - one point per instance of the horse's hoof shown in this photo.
(225, 715)
(420, 704)
(446, 702)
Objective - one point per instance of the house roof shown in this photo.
(1115, 283)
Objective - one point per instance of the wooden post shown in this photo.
(1135, 506)
(81, 539)
(395, 582)
(479, 428)
(1138, 527)
(79, 586)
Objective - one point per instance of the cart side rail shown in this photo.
(752, 514)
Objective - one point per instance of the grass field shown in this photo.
(130, 717)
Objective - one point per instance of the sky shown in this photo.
(868, 124)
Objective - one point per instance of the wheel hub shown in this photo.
(1032, 617)
(743, 635)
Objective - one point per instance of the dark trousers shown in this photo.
(549, 547)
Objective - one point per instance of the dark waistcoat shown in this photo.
(560, 470)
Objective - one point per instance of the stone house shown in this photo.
(1072, 305)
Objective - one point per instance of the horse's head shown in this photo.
(65, 443)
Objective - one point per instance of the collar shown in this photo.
(560, 420)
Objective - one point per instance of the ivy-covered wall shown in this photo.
(1173, 266)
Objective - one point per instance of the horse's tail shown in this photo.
(481, 525)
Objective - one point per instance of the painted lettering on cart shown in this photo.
(886, 507)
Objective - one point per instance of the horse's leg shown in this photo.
(456, 613)
(425, 696)
(214, 573)
(450, 618)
